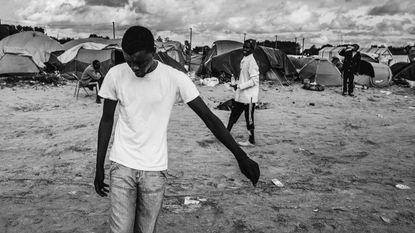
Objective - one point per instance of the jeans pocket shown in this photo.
(114, 166)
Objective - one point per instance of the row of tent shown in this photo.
(28, 52)
(225, 57)
(31, 52)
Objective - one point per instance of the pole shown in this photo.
(296, 46)
(190, 58)
(244, 37)
(276, 41)
(303, 44)
(113, 30)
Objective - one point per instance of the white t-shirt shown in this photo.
(145, 104)
(248, 87)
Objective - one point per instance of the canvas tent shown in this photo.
(373, 74)
(407, 73)
(322, 71)
(173, 48)
(219, 47)
(398, 67)
(73, 43)
(273, 64)
(26, 52)
(77, 58)
(300, 62)
(382, 55)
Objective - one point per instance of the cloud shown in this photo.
(389, 8)
(115, 3)
(320, 21)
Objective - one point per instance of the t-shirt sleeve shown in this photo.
(108, 88)
(187, 90)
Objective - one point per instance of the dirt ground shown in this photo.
(339, 161)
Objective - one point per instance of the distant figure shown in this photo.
(187, 48)
(351, 66)
(92, 76)
(246, 92)
(411, 54)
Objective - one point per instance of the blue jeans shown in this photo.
(136, 199)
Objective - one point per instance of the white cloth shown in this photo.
(71, 53)
(248, 87)
(144, 106)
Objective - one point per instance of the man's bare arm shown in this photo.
(247, 166)
(104, 135)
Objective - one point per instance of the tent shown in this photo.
(76, 59)
(76, 42)
(373, 74)
(273, 64)
(323, 71)
(383, 55)
(219, 47)
(25, 51)
(407, 73)
(398, 67)
(173, 48)
(300, 62)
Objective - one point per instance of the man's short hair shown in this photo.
(356, 46)
(95, 62)
(251, 43)
(137, 38)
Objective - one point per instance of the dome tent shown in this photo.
(323, 71)
(22, 52)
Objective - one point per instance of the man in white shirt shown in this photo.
(246, 92)
(145, 91)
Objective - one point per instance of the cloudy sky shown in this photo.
(365, 22)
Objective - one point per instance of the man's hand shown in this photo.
(100, 187)
(235, 86)
(250, 169)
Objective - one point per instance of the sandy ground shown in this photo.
(339, 161)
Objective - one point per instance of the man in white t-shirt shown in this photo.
(246, 92)
(145, 91)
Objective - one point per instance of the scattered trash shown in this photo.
(277, 183)
(385, 219)
(412, 107)
(315, 210)
(386, 92)
(210, 82)
(73, 192)
(193, 201)
(293, 102)
(340, 208)
(379, 116)
(312, 104)
(304, 151)
(402, 186)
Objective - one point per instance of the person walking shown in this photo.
(145, 91)
(246, 92)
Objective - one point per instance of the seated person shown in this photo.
(92, 77)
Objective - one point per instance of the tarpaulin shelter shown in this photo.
(369, 54)
(73, 43)
(26, 52)
(407, 73)
(77, 58)
(219, 47)
(322, 71)
(272, 63)
(398, 67)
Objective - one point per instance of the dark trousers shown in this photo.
(236, 112)
(348, 82)
(92, 86)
